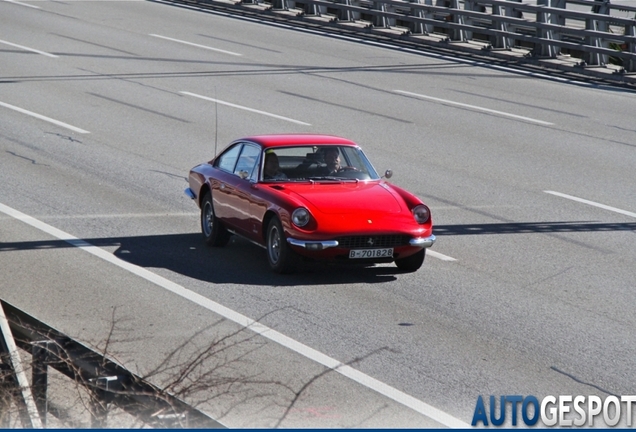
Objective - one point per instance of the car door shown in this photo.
(221, 185)
(238, 166)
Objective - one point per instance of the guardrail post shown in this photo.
(344, 14)
(39, 376)
(545, 49)
(594, 59)
(499, 42)
(630, 65)
(103, 393)
(470, 5)
(312, 9)
(601, 7)
(380, 20)
(280, 5)
(419, 27)
(456, 34)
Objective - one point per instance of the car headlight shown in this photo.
(421, 213)
(300, 217)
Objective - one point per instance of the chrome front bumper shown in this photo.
(313, 245)
(423, 242)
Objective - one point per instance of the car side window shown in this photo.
(246, 165)
(227, 161)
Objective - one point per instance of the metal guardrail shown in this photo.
(544, 29)
(107, 381)
(588, 37)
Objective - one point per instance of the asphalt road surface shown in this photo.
(529, 290)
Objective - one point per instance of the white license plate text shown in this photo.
(371, 253)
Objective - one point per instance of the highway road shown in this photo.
(529, 290)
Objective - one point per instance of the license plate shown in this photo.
(371, 253)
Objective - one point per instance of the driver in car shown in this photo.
(332, 159)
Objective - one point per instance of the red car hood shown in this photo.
(348, 198)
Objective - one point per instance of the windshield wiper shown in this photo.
(318, 178)
(333, 179)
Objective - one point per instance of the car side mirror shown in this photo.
(388, 174)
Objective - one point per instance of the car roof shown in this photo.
(286, 140)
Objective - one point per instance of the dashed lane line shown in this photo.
(473, 107)
(45, 118)
(33, 50)
(244, 108)
(592, 203)
(196, 45)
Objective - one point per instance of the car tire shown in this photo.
(411, 263)
(282, 259)
(213, 231)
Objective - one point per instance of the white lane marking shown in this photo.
(440, 256)
(21, 4)
(245, 108)
(41, 117)
(310, 353)
(592, 203)
(117, 215)
(15, 361)
(196, 45)
(28, 49)
(473, 107)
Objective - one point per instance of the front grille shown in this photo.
(373, 241)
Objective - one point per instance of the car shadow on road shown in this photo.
(238, 262)
(241, 262)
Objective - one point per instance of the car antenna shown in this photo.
(216, 120)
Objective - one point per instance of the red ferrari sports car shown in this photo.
(312, 196)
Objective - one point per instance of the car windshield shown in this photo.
(316, 163)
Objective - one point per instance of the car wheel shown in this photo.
(213, 231)
(411, 263)
(282, 259)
